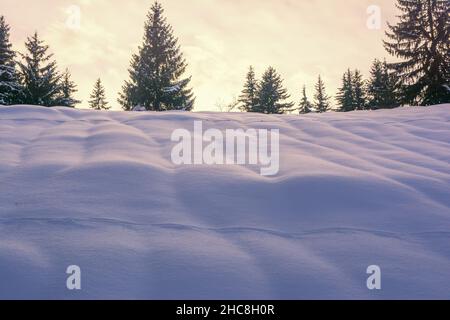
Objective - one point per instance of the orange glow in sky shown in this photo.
(220, 39)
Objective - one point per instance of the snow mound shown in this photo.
(99, 190)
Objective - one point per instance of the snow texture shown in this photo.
(139, 108)
(172, 89)
(97, 189)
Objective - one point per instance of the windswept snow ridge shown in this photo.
(99, 190)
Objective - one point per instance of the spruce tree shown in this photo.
(249, 96)
(305, 106)
(421, 40)
(9, 83)
(345, 95)
(68, 88)
(321, 99)
(376, 85)
(381, 88)
(359, 93)
(390, 95)
(39, 76)
(272, 95)
(97, 99)
(156, 72)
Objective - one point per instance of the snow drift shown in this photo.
(99, 190)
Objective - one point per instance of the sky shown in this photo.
(219, 38)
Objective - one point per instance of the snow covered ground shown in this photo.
(99, 190)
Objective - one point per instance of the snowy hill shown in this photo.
(99, 190)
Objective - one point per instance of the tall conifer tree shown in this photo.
(156, 73)
(359, 91)
(421, 40)
(345, 96)
(321, 99)
(68, 88)
(39, 76)
(249, 96)
(9, 84)
(97, 99)
(381, 87)
(305, 105)
(272, 95)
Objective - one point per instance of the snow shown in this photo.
(171, 89)
(98, 190)
(139, 108)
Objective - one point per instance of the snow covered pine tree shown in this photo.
(381, 87)
(249, 96)
(272, 94)
(305, 105)
(345, 97)
(97, 99)
(155, 73)
(68, 88)
(321, 99)
(359, 91)
(9, 83)
(421, 39)
(39, 75)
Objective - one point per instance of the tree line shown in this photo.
(268, 95)
(420, 41)
(35, 79)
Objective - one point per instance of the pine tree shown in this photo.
(68, 88)
(381, 88)
(376, 85)
(272, 94)
(321, 99)
(39, 76)
(155, 73)
(421, 40)
(97, 99)
(249, 96)
(359, 93)
(305, 105)
(390, 79)
(9, 83)
(345, 96)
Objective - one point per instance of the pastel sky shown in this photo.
(220, 39)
